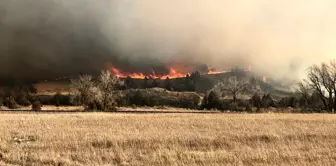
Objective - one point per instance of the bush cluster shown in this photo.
(59, 100)
(212, 100)
(158, 97)
(36, 106)
(13, 97)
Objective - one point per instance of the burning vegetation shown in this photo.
(236, 90)
(172, 73)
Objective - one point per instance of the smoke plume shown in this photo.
(55, 38)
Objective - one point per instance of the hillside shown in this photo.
(201, 85)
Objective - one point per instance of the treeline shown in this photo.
(257, 103)
(231, 94)
(108, 92)
(25, 95)
(19, 95)
(186, 84)
(158, 97)
(241, 94)
(318, 91)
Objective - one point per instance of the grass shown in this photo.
(167, 139)
(47, 108)
(52, 87)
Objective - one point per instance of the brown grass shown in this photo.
(48, 108)
(53, 87)
(167, 139)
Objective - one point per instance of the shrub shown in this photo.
(158, 97)
(97, 106)
(74, 100)
(36, 106)
(57, 99)
(93, 106)
(23, 99)
(256, 100)
(211, 101)
(10, 103)
(61, 100)
(224, 105)
(289, 102)
(233, 106)
(267, 101)
(248, 108)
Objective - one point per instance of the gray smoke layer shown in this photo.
(280, 39)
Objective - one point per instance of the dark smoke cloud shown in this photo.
(56, 38)
(47, 39)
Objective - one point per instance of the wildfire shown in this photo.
(118, 73)
(213, 71)
(264, 78)
(173, 73)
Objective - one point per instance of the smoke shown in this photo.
(280, 39)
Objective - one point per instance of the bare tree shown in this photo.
(325, 74)
(305, 91)
(233, 86)
(314, 81)
(84, 86)
(107, 84)
(322, 79)
(333, 79)
(98, 93)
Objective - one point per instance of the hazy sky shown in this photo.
(277, 38)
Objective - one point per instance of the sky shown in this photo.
(280, 39)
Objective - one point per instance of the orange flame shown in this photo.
(264, 78)
(118, 73)
(213, 71)
(173, 73)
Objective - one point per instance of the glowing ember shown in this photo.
(173, 73)
(265, 79)
(213, 71)
(118, 73)
(249, 69)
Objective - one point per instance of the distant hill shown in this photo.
(202, 84)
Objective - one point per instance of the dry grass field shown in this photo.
(167, 139)
(52, 87)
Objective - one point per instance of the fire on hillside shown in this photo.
(173, 73)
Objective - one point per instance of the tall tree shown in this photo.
(167, 84)
(195, 76)
(233, 86)
(97, 92)
(305, 92)
(107, 84)
(333, 79)
(322, 80)
(84, 85)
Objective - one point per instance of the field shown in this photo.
(167, 139)
(52, 87)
